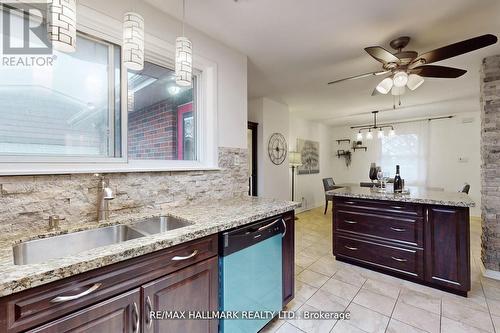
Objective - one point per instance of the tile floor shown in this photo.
(378, 302)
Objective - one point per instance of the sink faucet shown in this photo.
(104, 195)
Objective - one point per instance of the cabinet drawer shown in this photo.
(38, 305)
(384, 207)
(404, 229)
(401, 260)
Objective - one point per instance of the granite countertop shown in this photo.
(416, 195)
(208, 217)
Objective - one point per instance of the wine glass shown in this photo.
(380, 176)
(373, 172)
(385, 179)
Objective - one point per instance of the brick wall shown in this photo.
(490, 162)
(26, 200)
(152, 132)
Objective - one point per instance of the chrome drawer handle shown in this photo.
(349, 202)
(397, 207)
(149, 308)
(135, 312)
(60, 299)
(351, 248)
(350, 222)
(399, 259)
(179, 258)
(398, 229)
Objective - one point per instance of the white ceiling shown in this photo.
(295, 47)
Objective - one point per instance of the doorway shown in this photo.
(252, 158)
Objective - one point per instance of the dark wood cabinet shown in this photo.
(288, 248)
(424, 243)
(447, 247)
(118, 314)
(110, 288)
(119, 297)
(194, 288)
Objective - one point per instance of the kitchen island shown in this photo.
(422, 236)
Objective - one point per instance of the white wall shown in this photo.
(231, 64)
(447, 141)
(273, 181)
(309, 188)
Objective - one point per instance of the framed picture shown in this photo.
(309, 152)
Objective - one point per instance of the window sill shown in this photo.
(61, 169)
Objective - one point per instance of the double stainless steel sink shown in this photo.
(40, 250)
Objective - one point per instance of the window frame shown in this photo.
(100, 26)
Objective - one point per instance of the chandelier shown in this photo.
(375, 128)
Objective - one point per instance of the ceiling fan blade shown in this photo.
(360, 76)
(438, 71)
(381, 54)
(456, 49)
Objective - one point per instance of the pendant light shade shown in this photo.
(133, 41)
(400, 79)
(385, 86)
(359, 136)
(392, 132)
(183, 62)
(62, 25)
(380, 134)
(398, 91)
(414, 81)
(369, 135)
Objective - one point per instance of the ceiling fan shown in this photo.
(408, 68)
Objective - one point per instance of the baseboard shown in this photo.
(317, 205)
(488, 272)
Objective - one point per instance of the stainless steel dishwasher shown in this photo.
(250, 270)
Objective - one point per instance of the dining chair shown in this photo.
(328, 184)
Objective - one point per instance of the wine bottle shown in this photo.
(398, 184)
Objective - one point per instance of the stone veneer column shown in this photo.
(490, 162)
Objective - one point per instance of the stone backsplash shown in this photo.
(490, 162)
(26, 200)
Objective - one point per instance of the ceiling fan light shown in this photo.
(359, 137)
(398, 91)
(385, 86)
(369, 135)
(414, 81)
(400, 79)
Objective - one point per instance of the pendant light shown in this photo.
(183, 56)
(385, 86)
(374, 128)
(62, 25)
(400, 79)
(414, 81)
(133, 41)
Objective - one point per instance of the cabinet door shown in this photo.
(289, 258)
(118, 314)
(194, 288)
(447, 261)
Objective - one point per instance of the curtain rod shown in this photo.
(405, 121)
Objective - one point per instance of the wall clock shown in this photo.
(277, 148)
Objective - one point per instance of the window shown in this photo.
(409, 150)
(86, 113)
(69, 109)
(161, 116)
